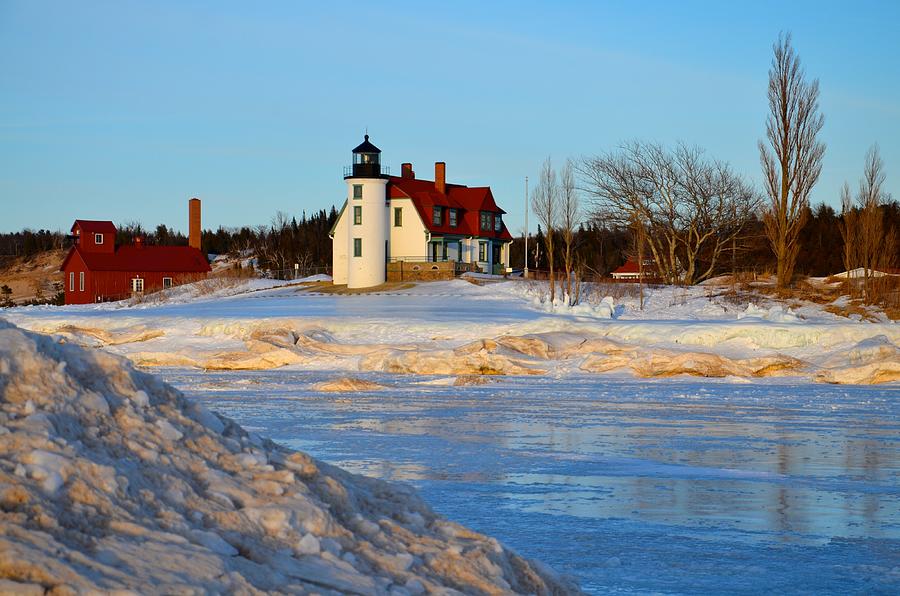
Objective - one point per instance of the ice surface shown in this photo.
(670, 486)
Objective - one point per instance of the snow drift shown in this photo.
(110, 479)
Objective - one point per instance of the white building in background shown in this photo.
(402, 218)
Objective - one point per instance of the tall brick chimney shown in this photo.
(440, 176)
(406, 171)
(194, 223)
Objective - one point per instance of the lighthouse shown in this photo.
(367, 211)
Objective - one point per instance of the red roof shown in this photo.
(468, 201)
(177, 259)
(91, 226)
(629, 267)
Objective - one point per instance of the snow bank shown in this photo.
(110, 480)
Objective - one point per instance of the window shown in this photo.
(398, 217)
(436, 216)
(137, 284)
(357, 215)
(498, 223)
(482, 251)
(71, 281)
(98, 238)
(357, 191)
(357, 247)
(167, 283)
(453, 218)
(81, 281)
(485, 221)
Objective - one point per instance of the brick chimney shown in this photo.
(406, 171)
(194, 223)
(440, 177)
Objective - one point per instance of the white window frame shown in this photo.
(482, 252)
(98, 238)
(81, 281)
(137, 282)
(71, 281)
(167, 283)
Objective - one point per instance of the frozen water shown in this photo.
(631, 486)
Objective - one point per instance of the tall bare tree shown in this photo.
(569, 218)
(792, 160)
(688, 209)
(545, 205)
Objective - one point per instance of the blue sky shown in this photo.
(123, 110)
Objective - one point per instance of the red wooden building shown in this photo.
(96, 270)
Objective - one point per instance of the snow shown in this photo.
(459, 328)
(141, 492)
(703, 443)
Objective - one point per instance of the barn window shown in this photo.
(71, 281)
(167, 283)
(98, 238)
(81, 281)
(137, 285)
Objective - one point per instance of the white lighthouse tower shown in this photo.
(367, 218)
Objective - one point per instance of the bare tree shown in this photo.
(868, 243)
(688, 209)
(792, 161)
(849, 225)
(545, 204)
(569, 218)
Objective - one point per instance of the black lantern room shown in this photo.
(366, 160)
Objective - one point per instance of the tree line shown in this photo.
(690, 216)
(275, 247)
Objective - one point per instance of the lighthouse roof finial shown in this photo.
(366, 146)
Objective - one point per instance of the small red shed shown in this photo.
(96, 270)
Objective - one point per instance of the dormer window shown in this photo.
(498, 223)
(436, 216)
(453, 218)
(98, 238)
(485, 221)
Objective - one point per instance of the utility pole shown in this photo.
(525, 274)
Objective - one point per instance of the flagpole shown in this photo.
(525, 274)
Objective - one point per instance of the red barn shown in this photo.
(96, 270)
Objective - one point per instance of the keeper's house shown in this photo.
(395, 224)
(96, 270)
